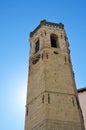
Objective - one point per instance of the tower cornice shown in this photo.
(49, 24)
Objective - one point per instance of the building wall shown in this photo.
(82, 99)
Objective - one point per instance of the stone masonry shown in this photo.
(52, 101)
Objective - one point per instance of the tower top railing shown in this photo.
(46, 23)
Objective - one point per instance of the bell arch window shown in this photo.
(37, 46)
(54, 41)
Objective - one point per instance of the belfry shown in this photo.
(52, 100)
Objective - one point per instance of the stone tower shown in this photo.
(52, 102)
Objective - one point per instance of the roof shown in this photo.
(46, 23)
(81, 90)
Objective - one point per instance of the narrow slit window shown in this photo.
(43, 99)
(26, 111)
(37, 46)
(48, 98)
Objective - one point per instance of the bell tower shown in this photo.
(52, 101)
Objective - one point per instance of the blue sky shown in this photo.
(17, 19)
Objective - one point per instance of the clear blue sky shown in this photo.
(17, 19)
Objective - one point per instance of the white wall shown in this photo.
(82, 99)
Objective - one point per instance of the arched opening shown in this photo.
(37, 46)
(54, 41)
